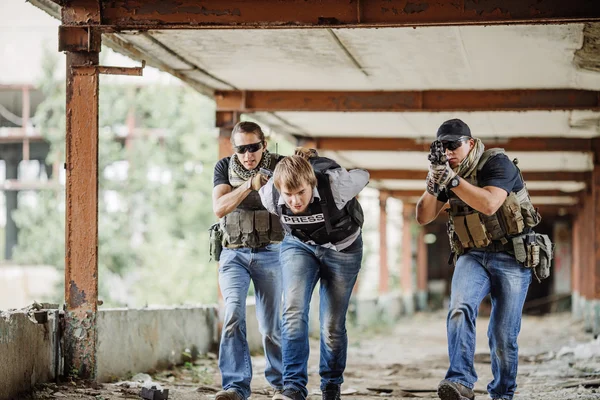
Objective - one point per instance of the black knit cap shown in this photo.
(452, 130)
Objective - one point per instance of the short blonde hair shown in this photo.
(293, 172)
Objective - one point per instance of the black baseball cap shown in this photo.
(452, 130)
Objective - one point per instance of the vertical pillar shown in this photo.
(226, 120)
(26, 110)
(422, 291)
(384, 275)
(576, 267)
(81, 229)
(11, 231)
(406, 273)
(594, 275)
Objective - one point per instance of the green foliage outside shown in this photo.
(154, 195)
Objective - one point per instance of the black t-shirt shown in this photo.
(221, 175)
(499, 171)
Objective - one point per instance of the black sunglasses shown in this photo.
(252, 148)
(454, 144)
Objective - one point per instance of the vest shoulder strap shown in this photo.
(489, 153)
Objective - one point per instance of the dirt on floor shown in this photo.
(558, 360)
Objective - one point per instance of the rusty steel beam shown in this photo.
(408, 101)
(191, 14)
(334, 143)
(534, 192)
(410, 174)
(81, 230)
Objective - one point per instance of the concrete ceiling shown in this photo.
(553, 56)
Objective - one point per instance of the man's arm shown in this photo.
(428, 208)
(346, 184)
(486, 200)
(225, 200)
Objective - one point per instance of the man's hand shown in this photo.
(441, 174)
(258, 181)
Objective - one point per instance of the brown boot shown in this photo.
(448, 390)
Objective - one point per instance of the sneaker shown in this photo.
(448, 390)
(289, 394)
(331, 392)
(229, 394)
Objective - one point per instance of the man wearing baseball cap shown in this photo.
(490, 219)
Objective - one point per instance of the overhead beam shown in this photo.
(192, 14)
(536, 192)
(421, 144)
(408, 101)
(409, 174)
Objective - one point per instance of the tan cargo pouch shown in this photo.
(460, 228)
(510, 213)
(477, 230)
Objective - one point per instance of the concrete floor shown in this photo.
(408, 360)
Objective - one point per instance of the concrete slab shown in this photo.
(27, 352)
(131, 341)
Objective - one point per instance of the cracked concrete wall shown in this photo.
(26, 352)
(132, 341)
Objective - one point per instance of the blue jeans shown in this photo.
(478, 273)
(303, 265)
(237, 268)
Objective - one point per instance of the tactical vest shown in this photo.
(250, 224)
(468, 228)
(322, 222)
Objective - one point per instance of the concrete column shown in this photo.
(384, 275)
(422, 290)
(406, 274)
(11, 230)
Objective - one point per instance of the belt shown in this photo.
(497, 247)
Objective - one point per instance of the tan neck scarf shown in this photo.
(468, 166)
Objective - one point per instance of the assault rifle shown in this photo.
(437, 156)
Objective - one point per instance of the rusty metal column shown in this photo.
(595, 270)
(225, 121)
(576, 267)
(384, 274)
(81, 229)
(422, 291)
(406, 272)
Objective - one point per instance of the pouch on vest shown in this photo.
(247, 227)
(460, 228)
(261, 224)
(511, 215)
(519, 249)
(477, 230)
(232, 228)
(276, 229)
(215, 244)
(546, 254)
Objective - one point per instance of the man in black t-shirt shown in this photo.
(478, 185)
(251, 240)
